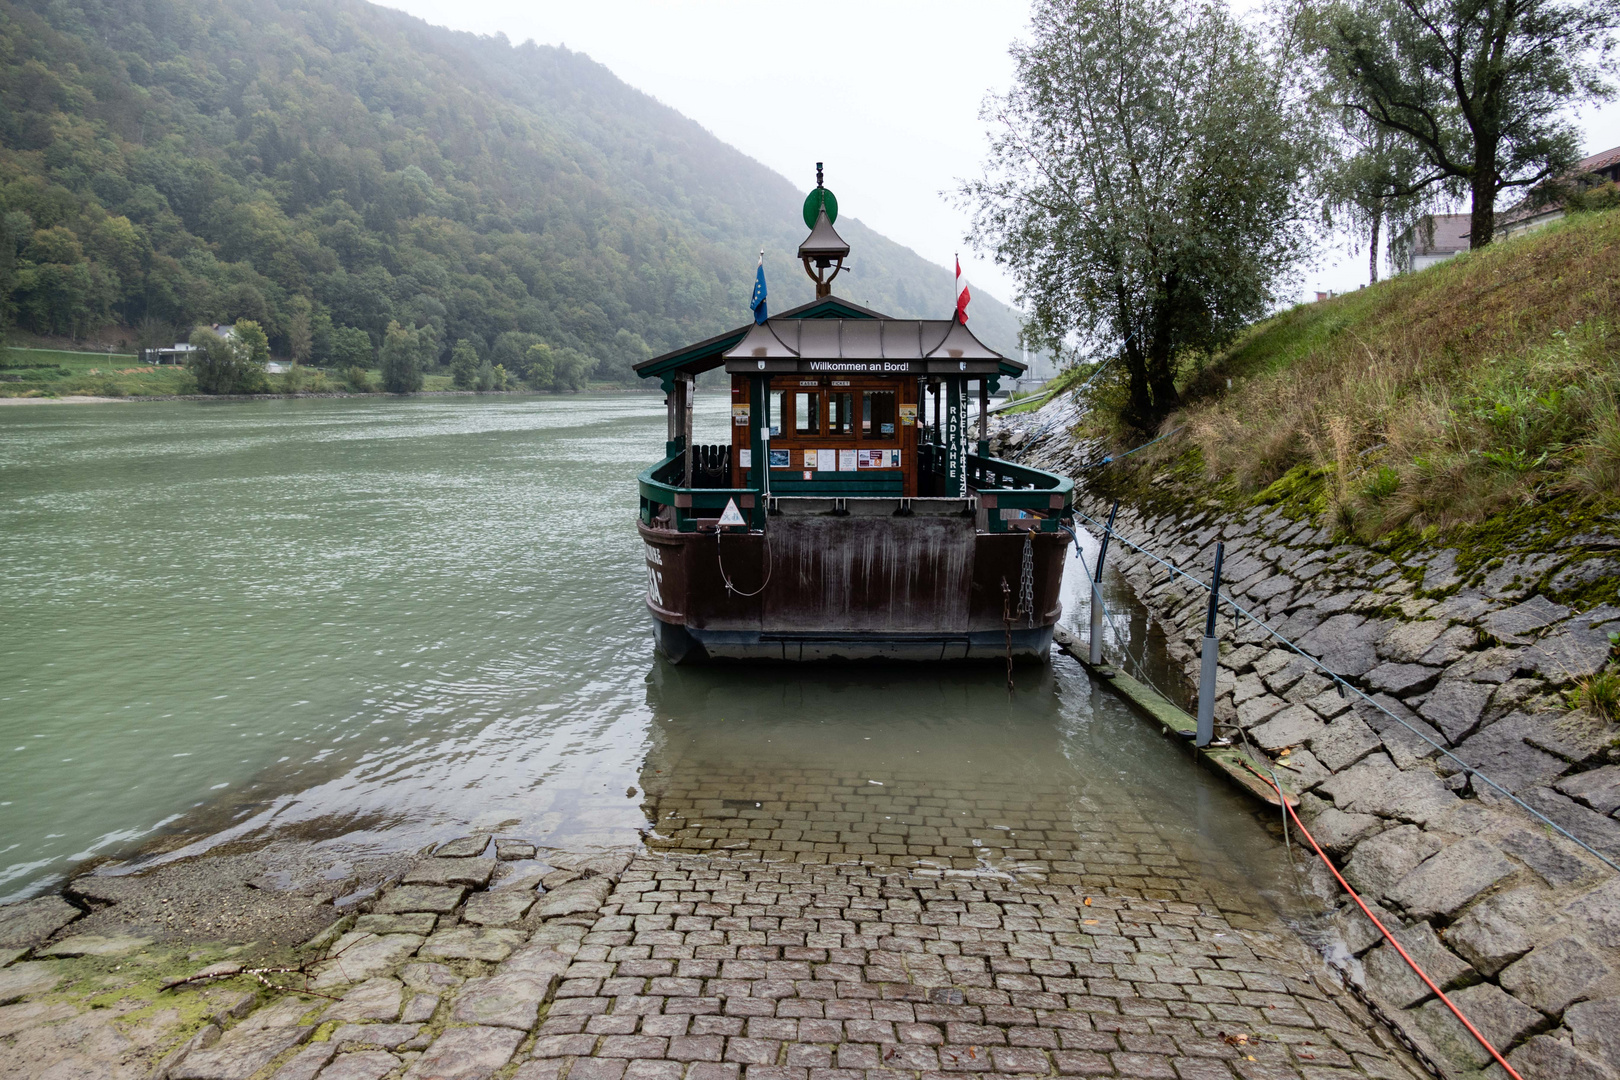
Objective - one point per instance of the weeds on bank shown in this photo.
(1436, 399)
(1599, 694)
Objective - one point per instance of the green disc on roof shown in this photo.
(813, 203)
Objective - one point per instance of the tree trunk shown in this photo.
(1161, 378)
(1482, 218)
(1140, 409)
(1372, 244)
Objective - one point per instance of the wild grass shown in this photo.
(1435, 399)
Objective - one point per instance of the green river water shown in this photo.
(376, 624)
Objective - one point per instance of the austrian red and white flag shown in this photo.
(962, 293)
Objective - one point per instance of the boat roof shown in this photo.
(835, 336)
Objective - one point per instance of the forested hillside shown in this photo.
(326, 166)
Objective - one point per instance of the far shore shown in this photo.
(90, 399)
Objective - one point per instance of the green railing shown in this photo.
(661, 487)
(1014, 497)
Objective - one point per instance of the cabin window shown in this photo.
(841, 414)
(806, 414)
(775, 401)
(877, 414)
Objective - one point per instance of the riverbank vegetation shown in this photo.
(1489, 382)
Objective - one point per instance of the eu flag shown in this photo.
(758, 302)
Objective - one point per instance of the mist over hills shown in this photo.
(337, 164)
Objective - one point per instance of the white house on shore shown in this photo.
(1437, 237)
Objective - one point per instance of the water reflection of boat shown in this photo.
(847, 517)
(796, 768)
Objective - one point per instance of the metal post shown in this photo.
(757, 465)
(765, 438)
(1206, 676)
(1096, 590)
(684, 387)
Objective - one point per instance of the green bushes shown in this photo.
(230, 363)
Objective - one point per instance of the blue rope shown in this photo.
(1144, 446)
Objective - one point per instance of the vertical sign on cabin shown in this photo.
(955, 438)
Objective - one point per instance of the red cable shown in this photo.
(1472, 1030)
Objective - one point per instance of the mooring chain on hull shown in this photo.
(1026, 579)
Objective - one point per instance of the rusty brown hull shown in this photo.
(830, 587)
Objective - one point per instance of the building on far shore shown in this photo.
(1434, 239)
(180, 351)
(1532, 213)
(170, 354)
(1437, 237)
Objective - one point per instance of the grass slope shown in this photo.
(1482, 386)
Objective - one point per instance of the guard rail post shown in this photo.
(1206, 679)
(1095, 653)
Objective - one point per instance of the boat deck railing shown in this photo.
(1007, 497)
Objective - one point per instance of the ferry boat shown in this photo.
(849, 517)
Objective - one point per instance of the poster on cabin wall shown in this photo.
(781, 459)
(739, 416)
(877, 459)
(846, 460)
(908, 415)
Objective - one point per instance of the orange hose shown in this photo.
(1472, 1030)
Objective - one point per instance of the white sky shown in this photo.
(886, 92)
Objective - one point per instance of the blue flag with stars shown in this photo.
(758, 302)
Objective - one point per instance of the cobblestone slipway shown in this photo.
(781, 924)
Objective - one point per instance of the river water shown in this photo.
(376, 624)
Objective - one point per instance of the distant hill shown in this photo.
(322, 165)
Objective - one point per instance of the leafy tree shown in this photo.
(351, 348)
(224, 365)
(1369, 181)
(512, 350)
(484, 377)
(1480, 89)
(300, 330)
(541, 369)
(463, 365)
(15, 228)
(1144, 183)
(573, 370)
(401, 360)
(250, 339)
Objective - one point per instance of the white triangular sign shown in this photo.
(732, 516)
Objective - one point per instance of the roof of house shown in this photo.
(1597, 162)
(1530, 207)
(1450, 235)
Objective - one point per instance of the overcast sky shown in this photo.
(886, 92)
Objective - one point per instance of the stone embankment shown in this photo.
(1517, 924)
